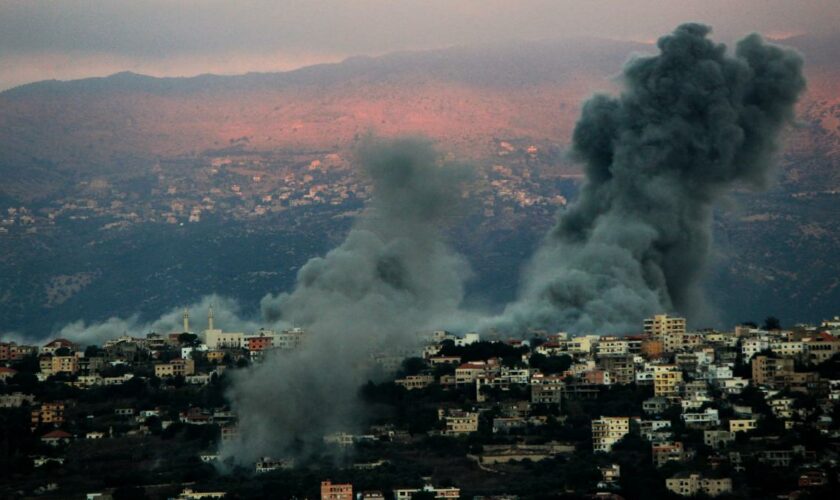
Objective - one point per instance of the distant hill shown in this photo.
(777, 251)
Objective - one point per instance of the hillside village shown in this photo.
(751, 412)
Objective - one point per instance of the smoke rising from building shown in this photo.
(692, 123)
(391, 278)
(227, 312)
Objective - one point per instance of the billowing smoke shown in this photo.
(390, 279)
(226, 311)
(692, 123)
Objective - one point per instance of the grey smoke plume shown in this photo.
(226, 311)
(692, 123)
(391, 278)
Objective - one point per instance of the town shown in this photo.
(666, 413)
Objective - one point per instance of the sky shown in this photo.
(68, 39)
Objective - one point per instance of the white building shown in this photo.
(606, 431)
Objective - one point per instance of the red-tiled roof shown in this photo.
(57, 434)
(61, 342)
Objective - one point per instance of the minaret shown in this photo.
(186, 320)
(210, 318)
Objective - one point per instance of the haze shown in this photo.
(75, 39)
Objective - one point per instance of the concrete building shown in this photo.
(458, 422)
(717, 438)
(767, 370)
(689, 485)
(331, 491)
(662, 324)
(666, 381)
(547, 389)
(742, 425)
(622, 369)
(607, 431)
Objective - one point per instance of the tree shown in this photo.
(187, 338)
(411, 366)
(550, 364)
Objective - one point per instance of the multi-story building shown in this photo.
(622, 369)
(458, 422)
(787, 348)
(289, 340)
(667, 452)
(438, 493)
(64, 364)
(412, 382)
(606, 431)
(689, 485)
(48, 414)
(547, 389)
(821, 348)
(175, 368)
(669, 330)
(752, 346)
(217, 339)
(332, 491)
(717, 438)
(701, 420)
(742, 425)
(662, 323)
(765, 370)
(666, 381)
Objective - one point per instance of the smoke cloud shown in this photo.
(226, 311)
(692, 123)
(390, 279)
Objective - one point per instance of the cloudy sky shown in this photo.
(67, 39)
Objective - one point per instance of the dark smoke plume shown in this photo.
(390, 279)
(692, 123)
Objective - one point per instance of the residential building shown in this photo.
(742, 425)
(48, 414)
(607, 431)
(412, 382)
(692, 484)
(769, 371)
(175, 368)
(666, 381)
(439, 493)
(547, 389)
(717, 438)
(662, 323)
(458, 422)
(667, 452)
(332, 491)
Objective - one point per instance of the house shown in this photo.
(412, 382)
(268, 464)
(468, 373)
(190, 494)
(56, 438)
(54, 345)
(742, 425)
(408, 493)
(701, 420)
(175, 368)
(16, 400)
(7, 373)
(717, 438)
(668, 452)
(458, 422)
